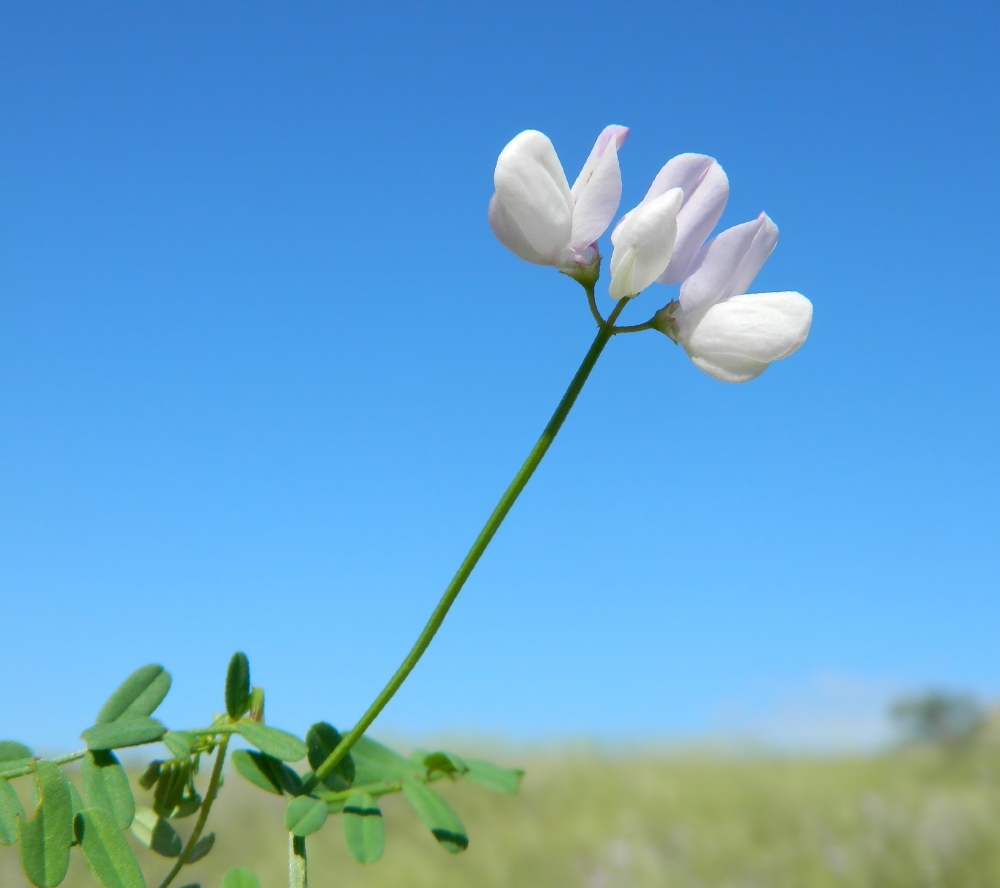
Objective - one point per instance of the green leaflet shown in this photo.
(105, 786)
(14, 755)
(186, 806)
(201, 848)
(137, 696)
(256, 706)
(76, 799)
(174, 779)
(77, 803)
(151, 774)
(108, 853)
(266, 772)
(364, 831)
(123, 732)
(322, 739)
(493, 777)
(12, 751)
(439, 817)
(238, 686)
(240, 877)
(179, 743)
(446, 762)
(46, 838)
(156, 833)
(374, 763)
(305, 815)
(10, 810)
(274, 742)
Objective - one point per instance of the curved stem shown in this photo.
(210, 795)
(493, 523)
(635, 328)
(592, 302)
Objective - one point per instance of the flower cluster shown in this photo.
(728, 333)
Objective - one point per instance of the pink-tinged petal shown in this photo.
(726, 266)
(597, 201)
(611, 135)
(737, 339)
(643, 244)
(532, 191)
(705, 197)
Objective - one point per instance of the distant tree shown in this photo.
(939, 717)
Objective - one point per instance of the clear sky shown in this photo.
(264, 369)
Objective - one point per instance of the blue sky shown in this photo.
(264, 370)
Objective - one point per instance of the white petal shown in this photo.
(532, 192)
(622, 274)
(725, 266)
(509, 233)
(729, 368)
(649, 232)
(596, 201)
(611, 135)
(735, 340)
(704, 200)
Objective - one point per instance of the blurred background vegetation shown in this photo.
(923, 813)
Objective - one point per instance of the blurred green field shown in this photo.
(922, 817)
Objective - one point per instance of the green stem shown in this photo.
(210, 796)
(381, 788)
(635, 328)
(58, 760)
(604, 333)
(298, 873)
(214, 730)
(594, 310)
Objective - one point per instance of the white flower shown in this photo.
(534, 212)
(706, 190)
(644, 241)
(658, 240)
(730, 334)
